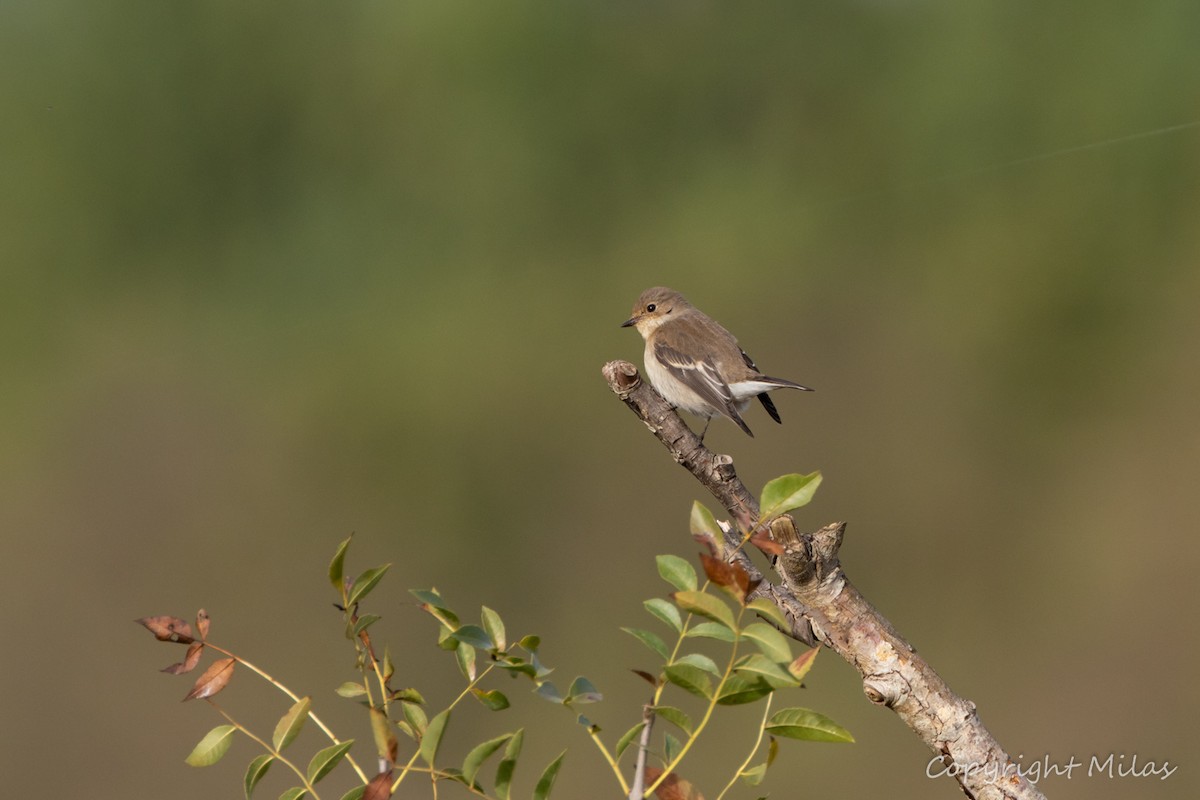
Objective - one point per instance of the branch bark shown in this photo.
(816, 596)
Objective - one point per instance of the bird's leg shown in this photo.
(706, 424)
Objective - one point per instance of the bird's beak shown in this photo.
(631, 321)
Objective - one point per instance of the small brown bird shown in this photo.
(695, 363)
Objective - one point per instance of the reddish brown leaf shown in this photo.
(380, 787)
(214, 679)
(718, 571)
(202, 623)
(673, 788)
(763, 541)
(189, 662)
(730, 576)
(802, 664)
(646, 676)
(167, 629)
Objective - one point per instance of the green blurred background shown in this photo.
(273, 273)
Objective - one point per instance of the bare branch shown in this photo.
(814, 590)
(639, 768)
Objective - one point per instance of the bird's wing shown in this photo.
(703, 379)
(749, 361)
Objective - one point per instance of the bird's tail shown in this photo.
(777, 383)
(766, 384)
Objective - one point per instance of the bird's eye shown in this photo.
(651, 307)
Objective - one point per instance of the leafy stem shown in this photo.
(266, 746)
(281, 687)
(594, 734)
(410, 766)
(762, 729)
(708, 712)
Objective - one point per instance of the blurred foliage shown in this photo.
(271, 273)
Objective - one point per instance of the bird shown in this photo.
(697, 365)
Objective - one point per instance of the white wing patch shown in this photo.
(702, 378)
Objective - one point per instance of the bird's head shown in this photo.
(654, 307)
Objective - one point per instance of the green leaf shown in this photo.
(651, 640)
(429, 597)
(325, 760)
(289, 724)
(676, 717)
(703, 662)
(504, 772)
(773, 644)
(671, 747)
(773, 673)
(365, 582)
(335, 566)
(494, 700)
(546, 781)
(354, 794)
(677, 572)
(666, 612)
(474, 636)
(212, 747)
(409, 696)
(541, 669)
(381, 731)
(769, 610)
(703, 523)
(711, 630)
(479, 754)
(446, 640)
(530, 643)
(628, 737)
(255, 772)
(690, 679)
(351, 690)
(803, 723)
(547, 691)
(514, 746)
(465, 654)
(706, 605)
(495, 628)
(294, 793)
(754, 775)
(433, 737)
(583, 691)
(362, 623)
(415, 716)
(786, 493)
(738, 690)
(518, 666)
(388, 669)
